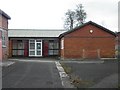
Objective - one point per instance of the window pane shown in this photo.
(56, 52)
(38, 40)
(32, 45)
(3, 38)
(32, 52)
(20, 52)
(14, 52)
(38, 52)
(14, 45)
(50, 52)
(51, 45)
(56, 46)
(20, 45)
(38, 45)
(32, 41)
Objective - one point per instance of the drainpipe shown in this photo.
(0, 45)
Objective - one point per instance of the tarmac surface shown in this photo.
(44, 73)
(102, 74)
(31, 75)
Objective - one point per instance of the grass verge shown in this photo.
(67, 69)
(75, 79)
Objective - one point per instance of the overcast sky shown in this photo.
(49, 14)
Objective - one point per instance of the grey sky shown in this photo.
(49, 14)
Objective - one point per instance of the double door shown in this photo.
(35, 48)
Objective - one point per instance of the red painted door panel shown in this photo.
(26, 49)
(45, 48)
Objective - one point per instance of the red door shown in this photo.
(45, 48)
(26, 48)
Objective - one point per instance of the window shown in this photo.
(53, 47)
(62, 44)
(32, 44)
(51, 52)
(18, 48)
(38, 40)
(3, 39)
(56, 45)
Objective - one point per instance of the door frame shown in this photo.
(35, 50)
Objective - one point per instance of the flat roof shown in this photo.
(34, 32)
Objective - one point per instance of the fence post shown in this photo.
(98, 52)
(83, 53)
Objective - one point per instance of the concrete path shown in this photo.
(64, 77)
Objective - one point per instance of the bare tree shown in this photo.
(74, 18)
(80, 14)
(69, 19)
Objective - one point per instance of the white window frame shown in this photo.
(35, 50)
(3, 39)
(62, 44)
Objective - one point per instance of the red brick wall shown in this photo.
(85, 32)
(119, 39)
(4, 27)
(3, 22)
(5, 49)
(82, 44)
(10, 48)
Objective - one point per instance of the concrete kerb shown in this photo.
(64, 77)
(101, 60)
(36, 61)
(83, 61)
(68, 61)
(32, 60)
(44, 60)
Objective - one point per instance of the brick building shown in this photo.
(90, 40)
(118, 44)
(3, 35)
(33, 42)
